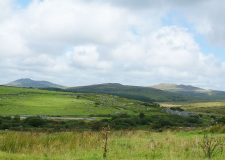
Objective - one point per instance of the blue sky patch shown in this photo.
(176, 18)
(23, 3)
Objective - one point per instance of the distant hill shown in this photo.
(191, 92)
(134, 92)
(178, 88)
(29, 83)
(158, 93)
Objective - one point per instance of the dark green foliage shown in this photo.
(119, 121)
(16, 119)
(35, 121)
(194, 119)
(161, 123)
(141, 115)
(221, 120)
(176, 108)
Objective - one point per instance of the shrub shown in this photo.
(221, 120)
(161, 123)
(176, 109)
(98, 125)
(141, 115)
(193, 119)
(35, 121)
(16, 119)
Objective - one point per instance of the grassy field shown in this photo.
(123, 145)
(20, 101)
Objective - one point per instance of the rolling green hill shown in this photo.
(172, 93)
(25, 101)
(177, 88)
(192, 93)
(133, 92)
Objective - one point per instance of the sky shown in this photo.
(133, 42)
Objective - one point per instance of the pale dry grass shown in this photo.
(124, 145)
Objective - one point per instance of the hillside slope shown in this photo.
(26, 101)
(176, 88)
(171, 93)
(192, 92)
(29, 83)
(134, 92)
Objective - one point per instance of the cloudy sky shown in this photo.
(138, 42)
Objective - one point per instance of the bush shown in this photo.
(141, 115)
(123, 123)
(193, 119)
(221, 120)
(176, 109)
(161, 123)
(98, 125)
(16, 119)
(35, 121)
(5, 126)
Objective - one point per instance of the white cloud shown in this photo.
(94, 41)
(87, 57)
(6, 10)
(206, 16)
(170, 52)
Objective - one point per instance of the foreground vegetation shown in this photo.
(124, 145)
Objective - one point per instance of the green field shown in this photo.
(20, 101)
(122, 145)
